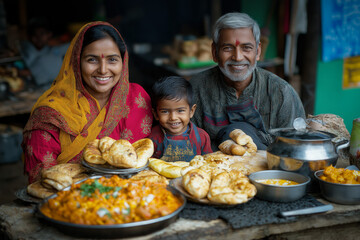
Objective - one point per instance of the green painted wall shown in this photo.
(331, 97)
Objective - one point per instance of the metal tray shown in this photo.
(116, 230)
(23, 195)
(108, 169)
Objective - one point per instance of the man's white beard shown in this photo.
(237, 76)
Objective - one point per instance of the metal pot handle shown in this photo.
(343, 143)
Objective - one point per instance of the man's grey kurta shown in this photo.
(275, 99)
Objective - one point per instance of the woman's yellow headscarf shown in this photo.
(69, 107)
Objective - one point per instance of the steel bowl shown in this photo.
(275, 193)
(124, 230)
(346, 194)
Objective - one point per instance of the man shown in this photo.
(43, 60)
(237, 94)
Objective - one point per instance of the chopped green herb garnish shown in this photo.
(88, 189)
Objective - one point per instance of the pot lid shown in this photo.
(305, 134)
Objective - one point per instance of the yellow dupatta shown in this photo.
(69, 107)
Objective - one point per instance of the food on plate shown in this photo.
(219, 160)
(240, 166)
(80, 177)
(144, 149)
(92, 153)
(196, 162)
(340, 175)
(250, 164)
(218, 185)
(231, 188)
(240, 144)
(56, 178)
(112, 200)
(119, 153)
(278, 182)
(36, 189)
(151, 176)
(61, 175)
(68, 169)
(197, 183)
(167, 169)
(105, 143)
(58, 185)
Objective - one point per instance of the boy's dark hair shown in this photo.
(171, 88)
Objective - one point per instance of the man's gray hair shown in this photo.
(236, 20)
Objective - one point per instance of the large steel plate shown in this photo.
(116, 230)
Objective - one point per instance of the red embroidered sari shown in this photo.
(66, 117)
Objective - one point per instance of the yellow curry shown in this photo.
(111, 201)
(340, 175)
(278, 182)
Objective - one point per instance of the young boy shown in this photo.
(176, 138)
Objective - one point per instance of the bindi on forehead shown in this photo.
(237, 43)
(102, 55)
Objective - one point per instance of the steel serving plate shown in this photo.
(108, 169)
(115, 230)
(23, 195)
(338, 192)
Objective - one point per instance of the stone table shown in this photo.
(343, 222)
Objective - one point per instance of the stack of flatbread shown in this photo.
(119, 153)
(56, 178)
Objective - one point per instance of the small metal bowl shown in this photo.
(275, 193)
(346, 194)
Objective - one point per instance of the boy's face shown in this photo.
(174, 115)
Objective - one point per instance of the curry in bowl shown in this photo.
(278, 182)
(340, 175)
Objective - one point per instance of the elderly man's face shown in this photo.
(236, 53)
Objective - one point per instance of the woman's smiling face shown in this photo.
(101, 66)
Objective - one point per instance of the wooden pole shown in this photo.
(309, 60)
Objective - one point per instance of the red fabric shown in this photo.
(45, 144)
(286, 26)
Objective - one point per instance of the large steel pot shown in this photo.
(303, 151)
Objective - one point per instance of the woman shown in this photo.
(90, 98)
